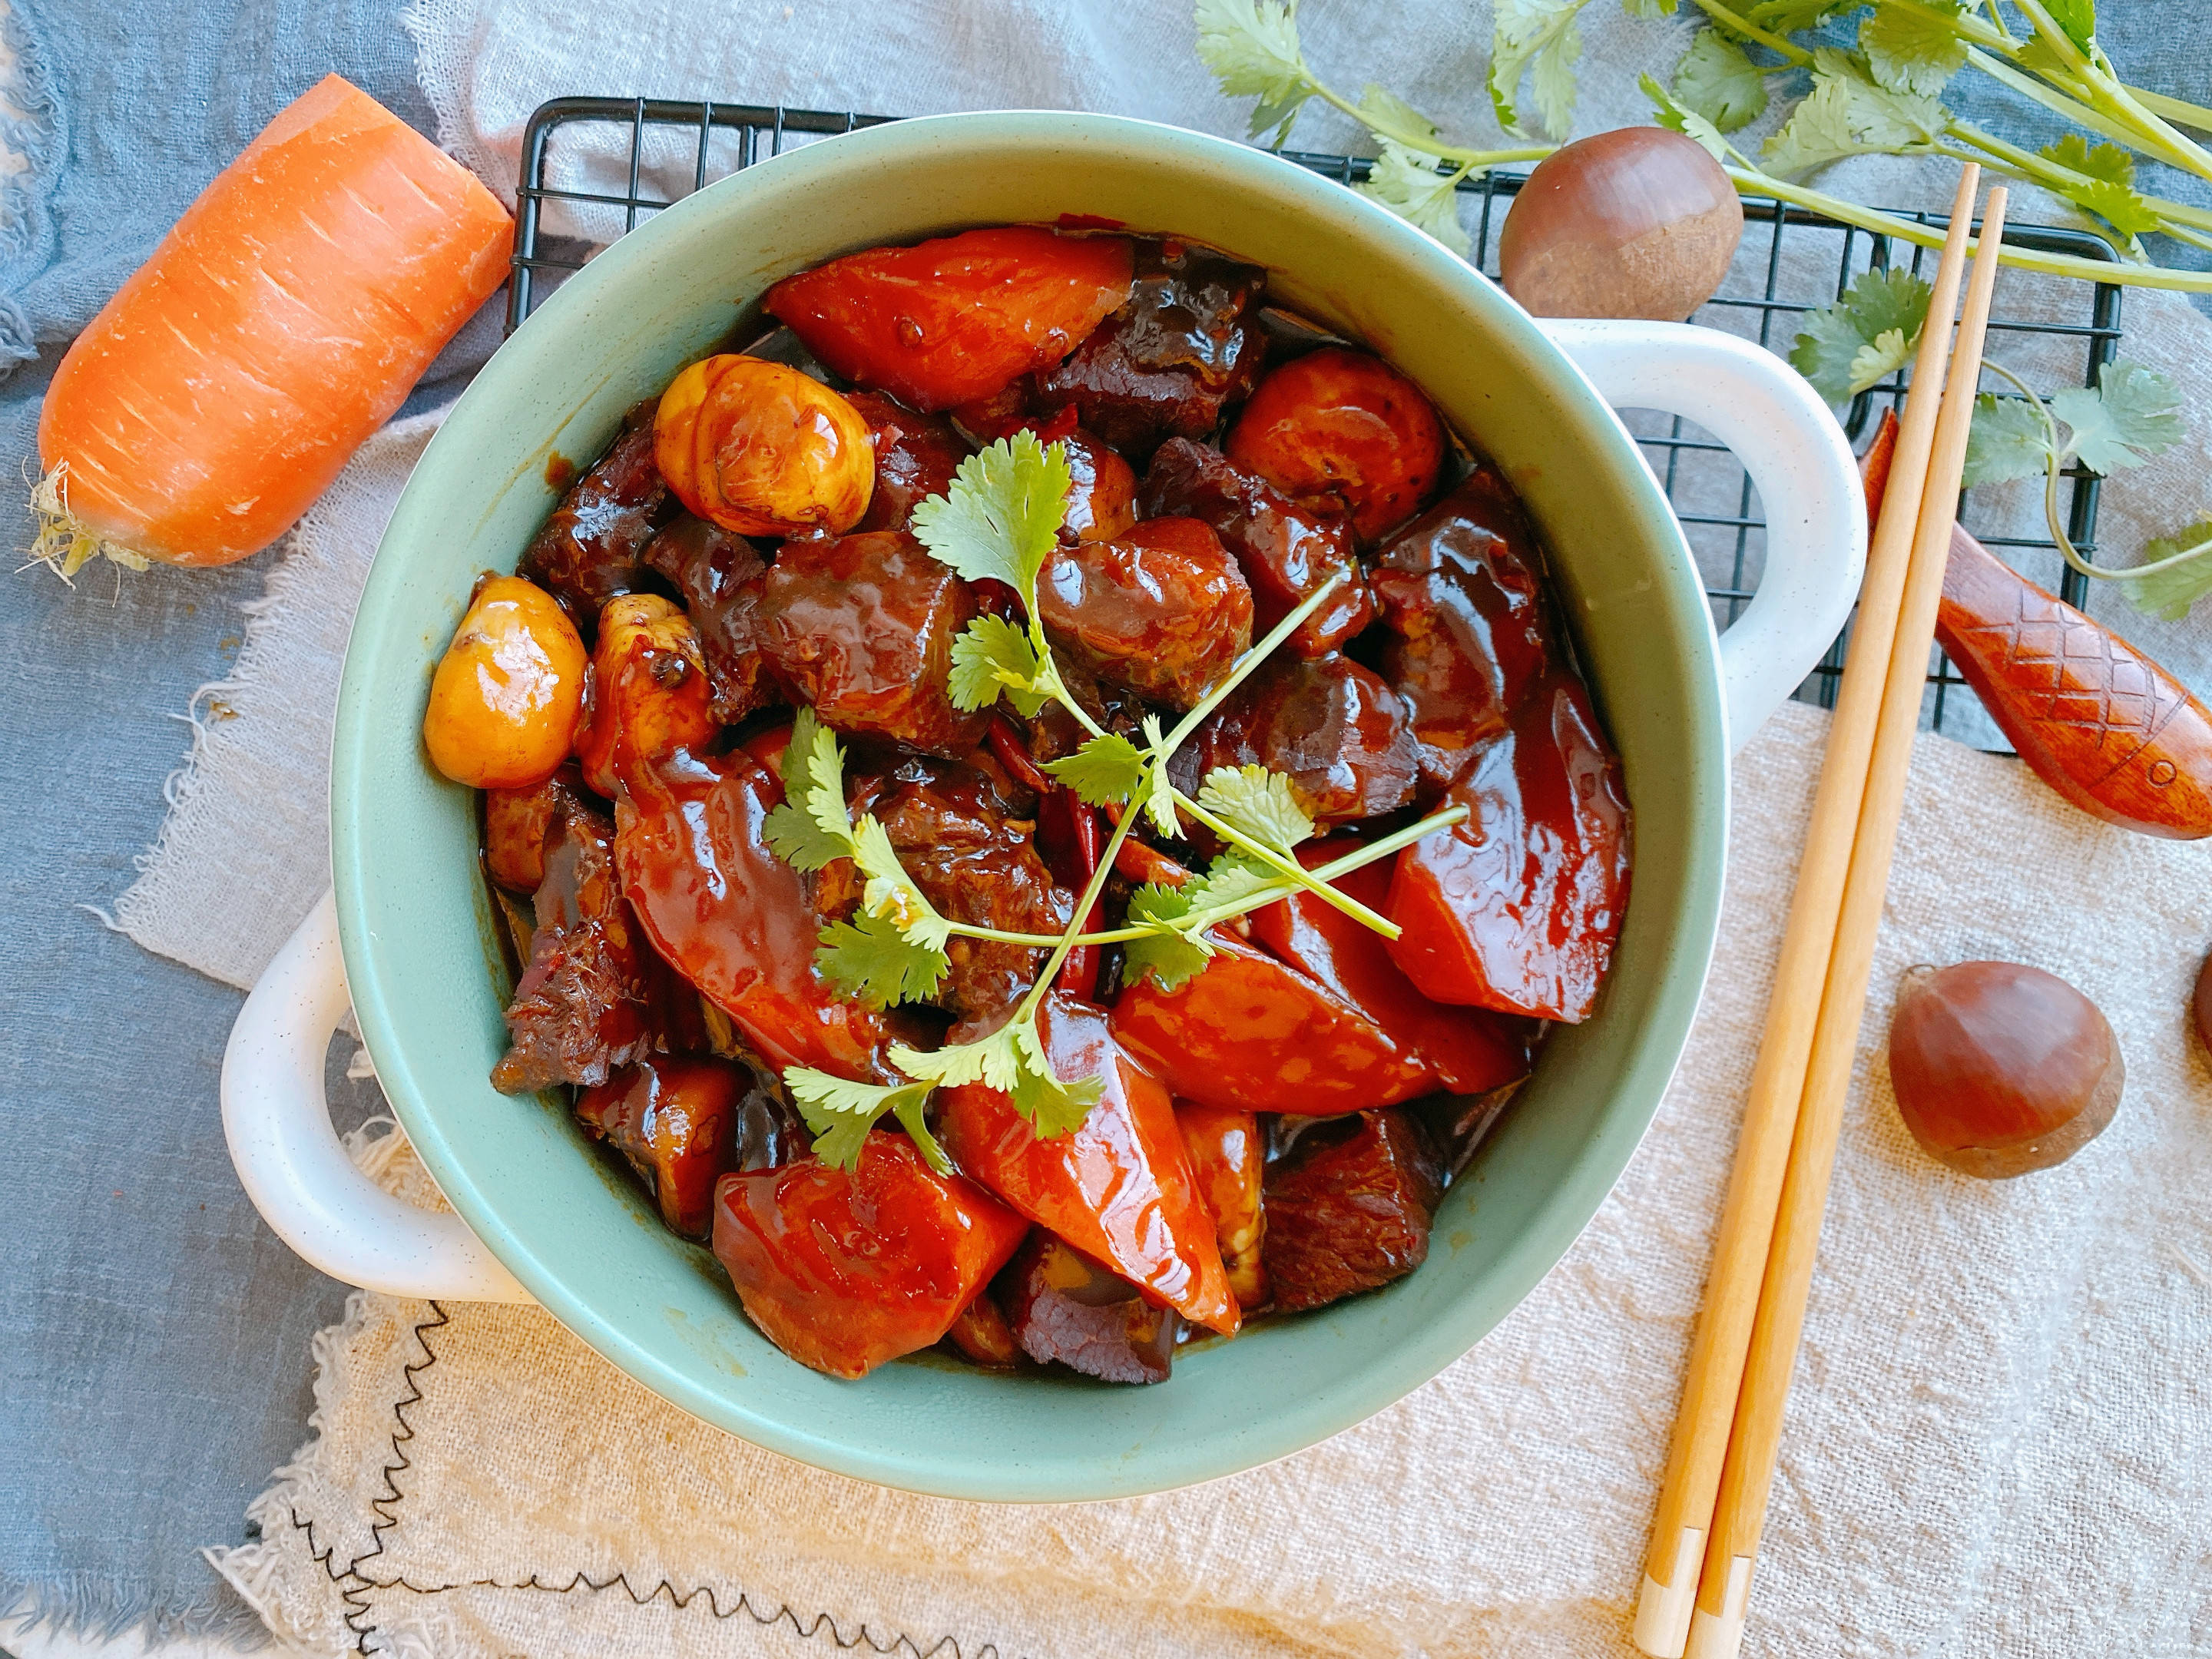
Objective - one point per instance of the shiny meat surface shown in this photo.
(1178, 352)
(955, 320)
(1333, 727)
(843, 1271)
(1459, 591)
(1064, 1309)
(916, 456)
(1517, 908)
(862, 629)
(975, 861)
(732, 917)
(721, 576)
(1470, 1050)
(1119, 1187)
(584, 1005)
(519, 824)
(594, 546)
(1161, 610)
(1349, 1208)
(1286, 552)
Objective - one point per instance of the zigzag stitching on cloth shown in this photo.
(356, 1596)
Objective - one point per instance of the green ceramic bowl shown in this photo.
(413, 917)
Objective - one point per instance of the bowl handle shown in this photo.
(277, 1120)
(1798, 457)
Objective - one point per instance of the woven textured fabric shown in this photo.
(1999, 1441)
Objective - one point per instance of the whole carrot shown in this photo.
(276, 327)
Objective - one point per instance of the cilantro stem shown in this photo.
(1288, 865)
(2054, 460)
(1750, 182)
(1427, 143)
(2173, 109)
(1239, 670)
(1797, 56)
(2042, 170)
(1067, 941)
(1198, 921)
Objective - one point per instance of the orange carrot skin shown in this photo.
(282, 321)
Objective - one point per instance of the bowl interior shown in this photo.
(417, 927)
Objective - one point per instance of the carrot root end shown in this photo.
(65, 544)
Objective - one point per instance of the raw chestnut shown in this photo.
(2201, 1003)
(1636, 223)
(2000, 1068)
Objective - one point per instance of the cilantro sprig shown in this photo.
(1882, 95)
(999, 520)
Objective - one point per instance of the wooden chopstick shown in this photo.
(1739, 1517)
(1716, 1355)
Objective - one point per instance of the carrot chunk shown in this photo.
(279, 324)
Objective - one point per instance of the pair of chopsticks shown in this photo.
(1713, 1505)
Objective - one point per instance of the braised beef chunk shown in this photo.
(676, 1121)
(1459, 592)
(1286, 552)
(973, 860)
(861, 628)
(1349, 1206)
(1054, 734)
(722, 577)
(1336, 730)
(584, 1004)
(1102, 503)
(1161, 610)
(1064, 1307)
(519, 823)
(916, 455)
(1181, 348)
(594, 546)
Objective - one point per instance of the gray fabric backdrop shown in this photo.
(153, 1334)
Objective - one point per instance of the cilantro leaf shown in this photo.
(811, 827)
(992, 656)
(1676, 116)
(2076, 19)
(1388, 116)
(891, 892)
(839, 1114)
(1160, 795)
(1252, 48)
(2123, 209)
(1259, 803)
(1105, 772)
(2107, 162)
(1012, 1061)
(1055, 1108)
(2007, 441)
(1000, 519)
(1407, 181)
(869, 958)
(1169, 955)
(1652, 8)
(1912, 50)
(1846, 114)
(1869, 332)
(1229, 879)
(2132, 414)
(2169, 594)
(1537, 38)
(1717, 81)
(1789, 17)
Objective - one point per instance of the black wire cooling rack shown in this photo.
(675, 148)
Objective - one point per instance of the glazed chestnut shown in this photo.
(1344, 429)
(2000, 1068)
(762, 449)
(506, 695)
(1104, 502)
